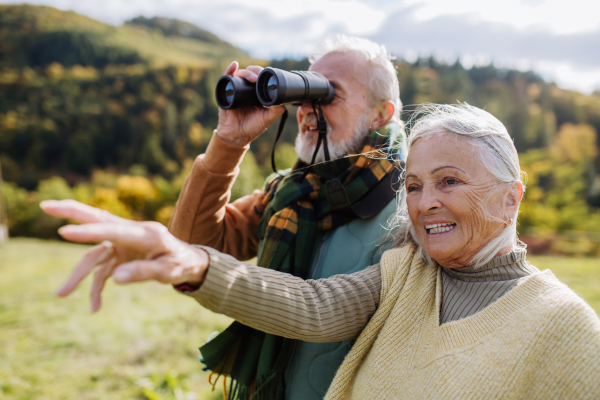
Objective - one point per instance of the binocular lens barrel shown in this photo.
(273, 87)
(234, 92)
(276, 86)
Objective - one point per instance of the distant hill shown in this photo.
(39, 35)
(174, 27)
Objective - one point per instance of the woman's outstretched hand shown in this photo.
(129, 251)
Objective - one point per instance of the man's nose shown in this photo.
(305, 109)
(429, 200)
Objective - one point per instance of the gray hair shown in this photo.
(383, 79)
(498, 155)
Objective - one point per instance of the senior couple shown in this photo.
(452, 309)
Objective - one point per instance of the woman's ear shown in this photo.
(384, 112)
(512, 198)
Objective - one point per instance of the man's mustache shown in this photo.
(311, 119)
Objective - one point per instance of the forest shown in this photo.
(114, 117)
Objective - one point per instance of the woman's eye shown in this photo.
(451, 181)
(411, 189)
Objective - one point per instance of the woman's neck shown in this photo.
(460, 263)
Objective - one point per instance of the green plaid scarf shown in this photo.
(295, 209)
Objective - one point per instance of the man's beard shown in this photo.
(305, 147)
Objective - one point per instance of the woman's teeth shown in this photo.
(439, 228)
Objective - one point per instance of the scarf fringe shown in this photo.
(270, 388)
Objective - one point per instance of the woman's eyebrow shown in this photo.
(446, 166)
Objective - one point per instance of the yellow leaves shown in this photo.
(135, 190)
(557, 183)
(163, 215)
(9, 121)
(108, 199)
(55, 71)
(575, 143)
(49, 125)
(182, 74)
(9, 75)
(195, 133)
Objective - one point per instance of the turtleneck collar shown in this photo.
(500, 268)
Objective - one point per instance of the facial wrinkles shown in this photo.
(468, 204)
(476, 224)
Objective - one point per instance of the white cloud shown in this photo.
(570, 76)
(556, 16)
(557, 38)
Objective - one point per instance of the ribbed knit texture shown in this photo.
(468, 290)
(538, 341)
(327, 303)
(323, 310)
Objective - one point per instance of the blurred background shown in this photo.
(109, 102)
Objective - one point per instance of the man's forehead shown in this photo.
(340, 66)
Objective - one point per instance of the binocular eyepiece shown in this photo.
(274, 87)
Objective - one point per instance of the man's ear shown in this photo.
(384, 112)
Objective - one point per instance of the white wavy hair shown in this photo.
(382, 81)
(497, 154)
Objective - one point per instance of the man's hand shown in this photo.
(130, 251)
(241, 126)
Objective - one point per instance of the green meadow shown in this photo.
(143, 342)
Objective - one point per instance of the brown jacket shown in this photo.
(202, 215)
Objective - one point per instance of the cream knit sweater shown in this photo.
(538, 341)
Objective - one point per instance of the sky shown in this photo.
(558, 39)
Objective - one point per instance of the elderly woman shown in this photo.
(453, 311)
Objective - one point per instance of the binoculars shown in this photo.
(274, 87)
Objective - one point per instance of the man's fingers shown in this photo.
(256, 69)
(247, 75)
(231, 68)
(94, 256)
(140, 271)
(100, 278)
(79, 212)
(140, 236)
(276, 111)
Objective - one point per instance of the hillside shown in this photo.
(114, 116)
(40, 35)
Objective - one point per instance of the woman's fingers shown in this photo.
(79, 212)
(141, 236)
(140, 271)
(100, 277)
(96, 255)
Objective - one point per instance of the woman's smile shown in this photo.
(439, 228)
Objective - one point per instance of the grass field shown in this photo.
(141, 345)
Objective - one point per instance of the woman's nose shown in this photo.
(429, 200)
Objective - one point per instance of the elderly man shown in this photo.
(295, 224)
(363, 116)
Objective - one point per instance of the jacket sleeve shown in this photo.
(324, 310)
(202, 215)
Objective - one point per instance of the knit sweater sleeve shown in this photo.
(324, 310)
